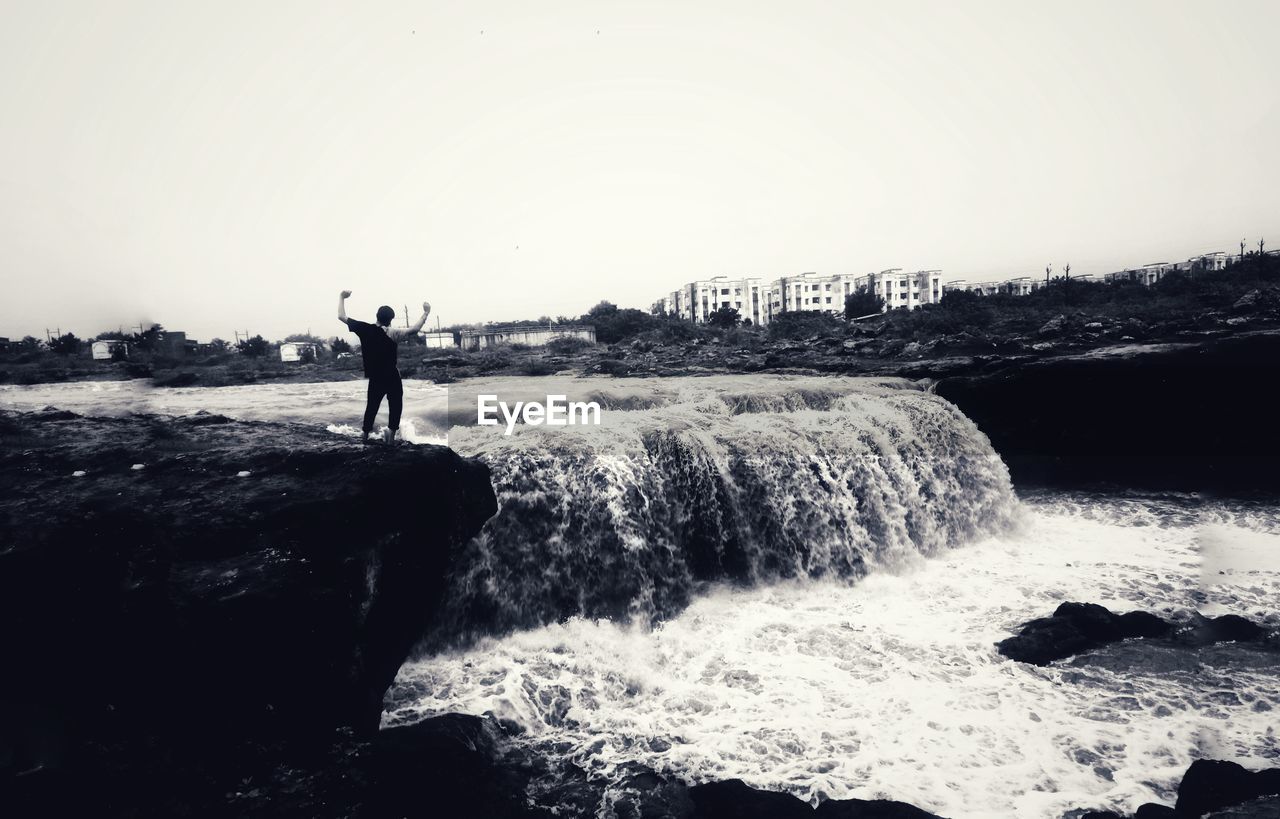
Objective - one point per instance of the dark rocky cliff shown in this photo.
(181, 606)
(1197, 416)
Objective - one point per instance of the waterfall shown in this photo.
(770, 478)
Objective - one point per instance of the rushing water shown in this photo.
(800, 582)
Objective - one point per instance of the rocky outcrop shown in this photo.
(1210, 784)
(1194, 416)
(174, 587)
(734, 799)
(1215, 789)
(1078, 627)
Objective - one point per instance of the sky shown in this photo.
(231, 166)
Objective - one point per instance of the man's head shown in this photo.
(385, 315)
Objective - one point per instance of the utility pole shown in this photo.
(1242, 250)
(1261, 244)
(1047, 269)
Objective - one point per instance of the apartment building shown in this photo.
(699, 299)
(762, 301)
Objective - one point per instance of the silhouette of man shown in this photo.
(378, 347)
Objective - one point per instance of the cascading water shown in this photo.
(794, 479)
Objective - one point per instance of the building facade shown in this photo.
(762, 301)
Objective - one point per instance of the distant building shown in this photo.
(4, 344)
(1021, 286)
(699, 299)
(439, 341)
(1205, 263)
(531, 336)
(762, 301)
(109, 349)
(298, 350)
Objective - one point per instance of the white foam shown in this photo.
(891, 687)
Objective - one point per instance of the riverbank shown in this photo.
(961, 336)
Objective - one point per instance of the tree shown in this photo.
(304, 337)
(863, 302)
(603, 310)
(30, 343)
(255, 347)
(340, 345)
(613, 325)
(724, 317)
(66, 344)
(219, 345)
(149, 339)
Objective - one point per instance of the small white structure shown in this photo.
(438, 341)
(297, 350)
(109, 349)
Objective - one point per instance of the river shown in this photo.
(800, 582)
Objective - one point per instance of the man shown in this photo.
(378, 343)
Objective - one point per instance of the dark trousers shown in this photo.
(390, 387)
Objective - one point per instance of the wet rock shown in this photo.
(647, 795)
(1143, 624)
(1212, 784)
(735, 799)
(451, 765)
(1267, 807)
(870, 809)
(1227, 628)
(1078, 627)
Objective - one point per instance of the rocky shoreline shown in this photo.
(1075, 628)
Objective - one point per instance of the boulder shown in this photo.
(1210, 784)
(1078, 627)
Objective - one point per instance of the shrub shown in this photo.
(537, 366)
(567, 345)
(487, 361)
(66, 344)
(255, 347)
(613, 324)
(795, 324)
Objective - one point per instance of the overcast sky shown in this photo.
(232, 165)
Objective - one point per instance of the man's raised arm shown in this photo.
(408, 331)
(342, 305)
